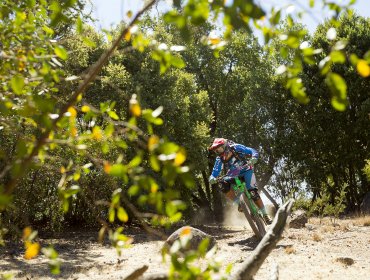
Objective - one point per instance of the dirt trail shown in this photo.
(315, 252)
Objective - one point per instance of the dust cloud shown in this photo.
(232, 217)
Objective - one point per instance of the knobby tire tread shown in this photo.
(258, 226)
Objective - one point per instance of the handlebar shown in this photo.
(245, 167)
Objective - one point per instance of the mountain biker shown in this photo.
(231, 156)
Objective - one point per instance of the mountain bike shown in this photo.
(252, 213)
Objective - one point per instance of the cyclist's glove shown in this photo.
(253, 161)
(212, 180)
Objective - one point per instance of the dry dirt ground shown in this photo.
(319, 251)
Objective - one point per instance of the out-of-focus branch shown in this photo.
(90, 77)
(138, 216)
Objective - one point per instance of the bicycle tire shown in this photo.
(255, 221)
(249, 218)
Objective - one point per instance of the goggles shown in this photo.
(219, 150)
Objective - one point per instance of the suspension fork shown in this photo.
(240, 187)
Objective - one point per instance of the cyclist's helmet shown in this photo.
(218, 142)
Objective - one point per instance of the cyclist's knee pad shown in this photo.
(254, 194)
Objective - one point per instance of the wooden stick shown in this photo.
(250, 266)
(137, 273)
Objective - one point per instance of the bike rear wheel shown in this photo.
(255, 221)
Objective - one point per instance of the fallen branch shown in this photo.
(250, 266)
(137, 273)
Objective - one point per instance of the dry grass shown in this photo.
(328, 229)
(359, 220)
(316, 237)
(289, 250)
(344, 227)
(362, 221)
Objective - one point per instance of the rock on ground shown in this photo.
(197, 237)
(298, 219)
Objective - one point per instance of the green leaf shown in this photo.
(170, 209)
(367, 56)
(17, 84)
(111, 214)
(338, 104)
(79, 26)
(203, 247)
(275, 17)
(338, 57)
(122, 215)
(169, 148)
(65, 204)
(338, 88)
(133, 190)
(325, 65)
(298, 91)
(116, 196)
(177, 62)
(175, 218)
(113, 115)
(135, 161)
(88, 42)
(149, 115)
(118, 170)
(354, 59)
(154, 163)
(72, 191)
(61, 52)
(54, 262)
(48, 30)
(337, 84)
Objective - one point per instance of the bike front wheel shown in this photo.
(254, 219)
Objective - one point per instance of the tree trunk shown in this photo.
(261, 186)
(207, 185)
(218, 210)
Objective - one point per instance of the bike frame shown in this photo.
(240, 188)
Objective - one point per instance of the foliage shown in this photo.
(240, 15)
(324, 207)
(306, 149)
(185, 263)
(367, 170)
(75, 141)
(303, 203)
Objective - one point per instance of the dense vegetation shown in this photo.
(106, 154)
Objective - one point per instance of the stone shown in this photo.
(196, 239)
(345, 260)
(298, 219)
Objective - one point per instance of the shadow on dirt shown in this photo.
(248, 244)
(217, 231)
(73, 250)
(79, 251)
